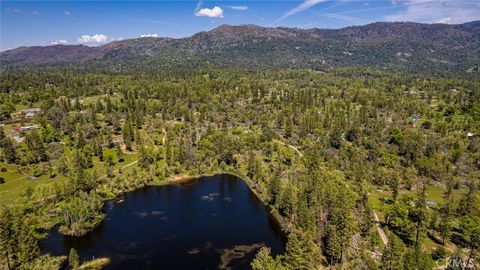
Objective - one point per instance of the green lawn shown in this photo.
(434, 194)
(377, 201)
(17, 183)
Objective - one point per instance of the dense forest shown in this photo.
(363, 168)
(405, 46)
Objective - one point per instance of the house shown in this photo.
(27, 128)
(31, 110)
(31, 113)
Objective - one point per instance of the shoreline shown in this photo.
(183, 179)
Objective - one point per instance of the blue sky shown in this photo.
(99, 22)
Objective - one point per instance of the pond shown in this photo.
(210, 223)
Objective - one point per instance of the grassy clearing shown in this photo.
(18, 178)
(378, 200)
(16, 183)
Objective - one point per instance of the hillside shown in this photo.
(398, 46)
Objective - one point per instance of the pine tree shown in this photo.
(80, 138)
(286, 204)
(120, 155)
(420, 217)
(392, 258)
(306, 217)
(341, 226)
(28, 246)
(333, 245)
(288, 127)
(9, 151)
(468, 201)
(35, 147)
(78, 175)
(470, 227)
(274, 189)
(251, 165)
(99, 151)
(301, 251)
(7, 236)
(128, 133)
(415, 258)
(446, 214)
(263, 260)
(168, 151)
(395, 185)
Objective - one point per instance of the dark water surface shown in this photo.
(211, 223)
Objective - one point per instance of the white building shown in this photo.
(26, 128)
(30, 113)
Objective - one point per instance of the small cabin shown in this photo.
(31, 113)
(27, 128)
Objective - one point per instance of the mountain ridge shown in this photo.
(391, 45)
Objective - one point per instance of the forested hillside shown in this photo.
(394, 46)
(364, 169)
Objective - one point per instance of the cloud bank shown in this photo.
(58, 42)
(149, 35)
(97, 38)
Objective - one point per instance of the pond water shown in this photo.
(211, 223)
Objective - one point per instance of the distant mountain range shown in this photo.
(399, 46)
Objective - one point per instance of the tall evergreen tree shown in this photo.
(392, 258)
(7, 236)
(446, 215)
(264, 261)
(301, 251)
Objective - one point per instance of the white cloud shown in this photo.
(445, 20)
(67, 13)
(58, 42)
(36, 13)
(215, 12)
(240, 8)
(303, 6)
(427, 11)
(97, 38)
(149, 35)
